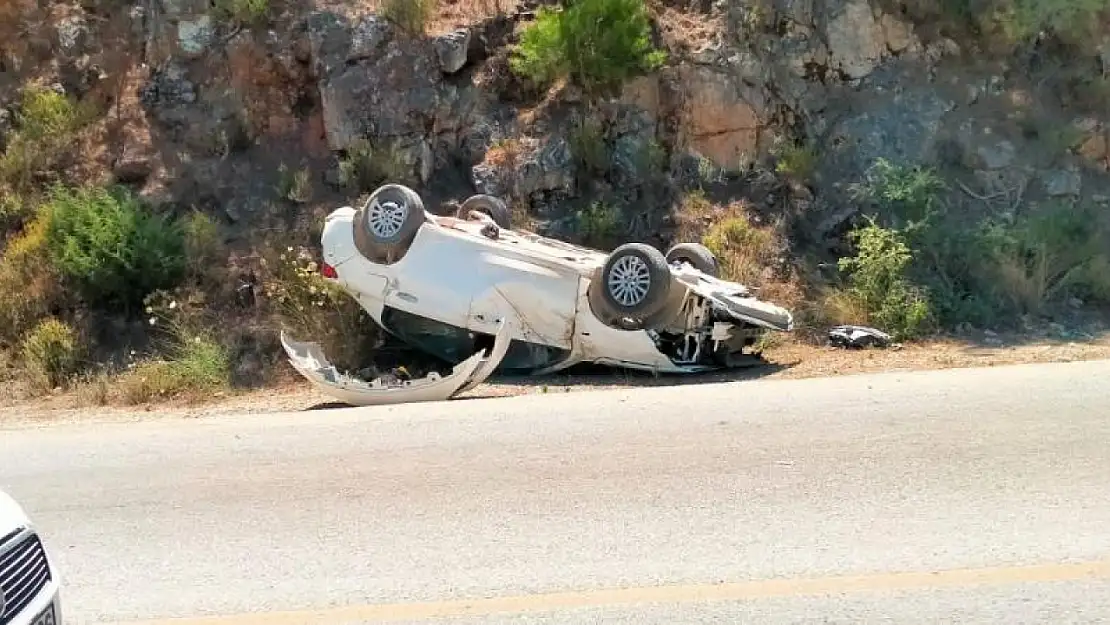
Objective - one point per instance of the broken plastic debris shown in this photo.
(309, 360)
(858, 337)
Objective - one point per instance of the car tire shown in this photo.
(490, 205)
(386, 225)
(631, 287)
(699, 257)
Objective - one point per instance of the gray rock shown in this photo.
(1062, 182)
(329, 41)
(168, 87)
(489, 180)
(132, 170)
(395, 97)
(181, 8)
(195, 35)
(369, 38)
(451, 49)
(901, 127)
(73, 35)
(997, 155)
(551, 168)
(855, 39)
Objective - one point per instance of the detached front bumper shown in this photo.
(309, 360)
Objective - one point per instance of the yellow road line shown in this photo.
(687, 593)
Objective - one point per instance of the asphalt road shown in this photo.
(969, 496)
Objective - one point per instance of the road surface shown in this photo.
(970, 496)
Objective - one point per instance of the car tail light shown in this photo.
(328, 272)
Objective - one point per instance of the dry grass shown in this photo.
(447, 16)
(504, 154)
(685, 31)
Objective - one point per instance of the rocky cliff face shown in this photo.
(781, 104)
(849, 80)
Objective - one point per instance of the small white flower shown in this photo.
(153, 321)
(173, 305)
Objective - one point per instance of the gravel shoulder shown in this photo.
(786, 361)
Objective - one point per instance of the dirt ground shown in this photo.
(786, 361)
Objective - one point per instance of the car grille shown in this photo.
(23, 573)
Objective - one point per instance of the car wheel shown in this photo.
(699, 257)
(488, 204)
(631, 287)
(386, 225)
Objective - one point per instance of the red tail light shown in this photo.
(328, 272)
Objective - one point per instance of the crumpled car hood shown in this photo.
(309, 360)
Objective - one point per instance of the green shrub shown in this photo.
(198, 364)
(203, 246)
(109, 248)
(365, 167)
(596, 43)
(909, 195)
(243, 11)
(295, 186)
(1074, 20)
(591, 153)
(411, 15)
(51, 354)
(878, 281)
(1045, 256)
(46, 122)
(29, 288)
(598, 223)
(796, 161)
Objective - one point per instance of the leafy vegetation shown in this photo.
(365, 166)
(51, 354)
(28, 285)
(598, 44)
(879, 285)
(312, 308)
(982, 272)
(109, 247)
(198, 364)
(247, 12)
(46, 122)
(598, 224)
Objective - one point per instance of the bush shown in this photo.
(596, 43)
(51, 354)
(743, 250)
(203, 247)
(365, 167)
(591, 153)
(411, 15)
(879, 286)
(198, 364)
(598, 224)
(243, 11)
(46, 122)
(29, 287)
(109, 248)
(1045, 256)
(908, 195)
(311, 308)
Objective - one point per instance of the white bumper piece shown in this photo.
(309, 360)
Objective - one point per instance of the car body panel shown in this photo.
(15, 527)
(309, 360)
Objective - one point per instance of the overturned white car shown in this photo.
(472, 291)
